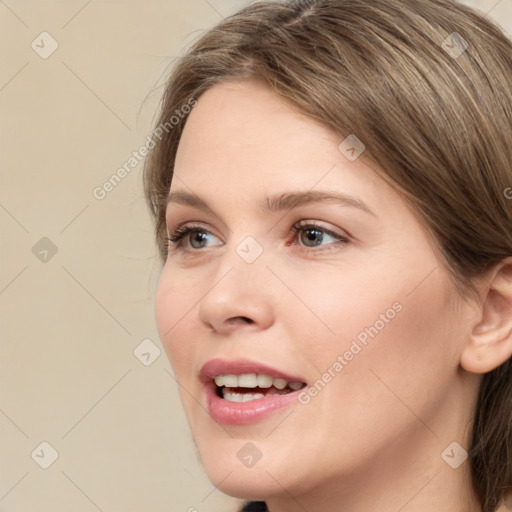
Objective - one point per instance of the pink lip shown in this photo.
(242, 413)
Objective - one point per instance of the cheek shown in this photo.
(394, 332)
(174, 309)
(337, 308)
(398, 349)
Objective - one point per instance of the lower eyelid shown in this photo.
(181, 244)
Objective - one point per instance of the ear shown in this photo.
(490, 342)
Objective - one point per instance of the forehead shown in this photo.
(243, 129)
(242, 143)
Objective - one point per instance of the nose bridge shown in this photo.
(243, 262)
(239, 288)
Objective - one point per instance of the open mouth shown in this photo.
(241, 391)
(251, 386)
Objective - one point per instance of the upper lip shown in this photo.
(217, 366)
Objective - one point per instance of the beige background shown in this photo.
(70, 321)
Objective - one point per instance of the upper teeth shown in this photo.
(253, 380)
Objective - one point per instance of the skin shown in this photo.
(376, 432)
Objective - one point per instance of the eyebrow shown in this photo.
(277, 203)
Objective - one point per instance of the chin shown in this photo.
(259, 482)
(247, 484)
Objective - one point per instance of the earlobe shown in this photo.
(490, 342)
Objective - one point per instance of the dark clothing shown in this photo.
(255, 506)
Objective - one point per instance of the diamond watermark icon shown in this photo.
(455, 45)
(249, 249)
(351, 148)
(454, 455)
(249, 455)
(44, 455)
(44, 45)
(147, 352)
(44, 250)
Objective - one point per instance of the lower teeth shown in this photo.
(233, 396)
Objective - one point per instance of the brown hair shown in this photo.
(426, 85)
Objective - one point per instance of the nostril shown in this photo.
(244, 318)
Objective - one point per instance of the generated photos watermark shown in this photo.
(101, 191)
(356, 346)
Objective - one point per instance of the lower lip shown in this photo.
(243, 413)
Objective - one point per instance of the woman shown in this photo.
(333, 211)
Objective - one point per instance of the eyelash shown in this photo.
(175, 241)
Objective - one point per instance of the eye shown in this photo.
(310, 236)
(196, 235)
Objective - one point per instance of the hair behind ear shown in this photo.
(490, 452)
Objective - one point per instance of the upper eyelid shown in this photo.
(289, 202)
(199, 226)
(179, 207)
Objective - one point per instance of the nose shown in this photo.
(239, 296)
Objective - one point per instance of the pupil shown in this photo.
(311, 234)
(200, 237)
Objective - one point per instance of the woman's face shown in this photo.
(342, 297)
